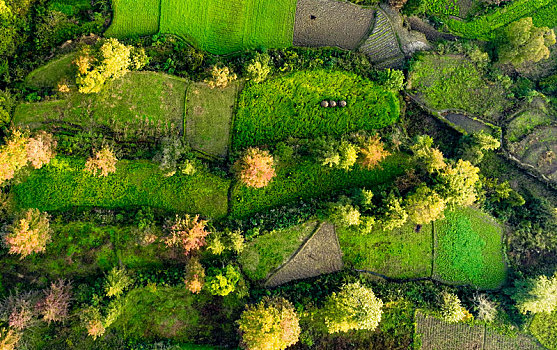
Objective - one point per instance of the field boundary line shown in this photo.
(433, 250)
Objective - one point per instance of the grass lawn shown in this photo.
(267, 252)
(222, 27)
(134, 18)
(63, 184)
(454, 82)
(289, 106)
(304, 179)
(400, 253)
(49, 75)
(209, 117)
(469, 249)
(139, 105)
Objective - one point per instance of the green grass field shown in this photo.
(49, 75)
(219, 27)
(134, 18)
(63, 184)
(306, 179)
(289, 106)
(267, 252)
(454, 82)
(138, 105)
(209, 117)
(400, 253)
(469, 249)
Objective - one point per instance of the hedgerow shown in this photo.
(289, 106)
(63, 184)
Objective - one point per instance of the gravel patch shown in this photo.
(323, 23)
(319, 255)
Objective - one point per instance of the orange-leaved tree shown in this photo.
(188, 233)
(29, 233)
(256, 168)
(102, 163)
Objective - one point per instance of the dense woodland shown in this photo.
(192, 174)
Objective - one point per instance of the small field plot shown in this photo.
(305, 179)
(382, 43)
(454, 83)
(469, 249)
(209, 117)
(544, 328)
(223, 27)
(400, 253)
(331, 23)
(538, 149)
(267, 252)
(49, 75)
(436, 334)
(141, 103)
(290, 107)
(134, 18)
(526, 122)
(63, 184)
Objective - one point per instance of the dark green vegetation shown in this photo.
(63, 184)
(290, 107)
(217, 27)
(401, 253)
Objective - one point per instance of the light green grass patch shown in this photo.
(138, 105)
(49, 75)
(269, 251)
(469, 249)
(64, 184)
(304, 179)
(134, 18)
(209, 117)
(222, 27)
(289, 106)
(400, 253)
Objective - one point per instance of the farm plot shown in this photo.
(209, 117)
(469, 249)
(134, 18)
(382, 44)
(290, 107)
(322, 23)
(400, 253)
(63, 184)
(222, 27)
(306, 179)
(267, 252)
(538, 149)
(319, 255)
(49, 75)
(436, 334)
(454, 83)
(136, 106)
(524, 123)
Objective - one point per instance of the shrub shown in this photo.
(9, 339)
(258, 69)
(7, 104)
(424, 206)
(394, 215)
(344, 214)
(236, 241)
(195, 276)
(272, 324)
(451, 310)
(40, 149)
(117, 281)
(372, 152)
(188, 233)
(13, 155)
(354, 307)
(56, 305)
(256, 168)
(348, 153)
(102, 163)
(220, 77)
(172, 150)
(215, 243)
(29, 233)
(485, 308)
(223, 281)
(18, 310)
(536, 294)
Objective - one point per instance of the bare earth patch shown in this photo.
(321, 23)
(319, 255)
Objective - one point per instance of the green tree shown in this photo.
(394, 215)
(117, 281)
(451, 309)
(271, 324)
(457, 184)
(523, 42)
(536, 294)
(353, 307)
(7, 104)
(475, 145)
(344, 213)
(258, 68)
(424, 154)
(425, 205)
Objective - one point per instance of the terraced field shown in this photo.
(382, 45)
(539, 150)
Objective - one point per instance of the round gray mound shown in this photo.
(321, 23)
